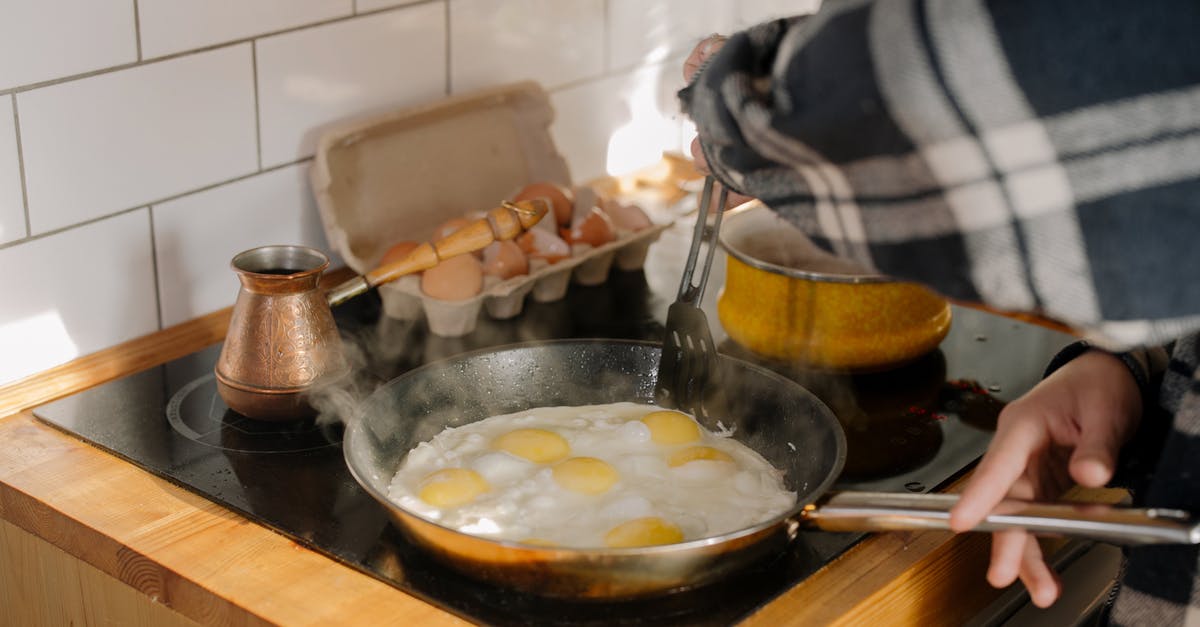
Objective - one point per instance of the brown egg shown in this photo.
(458, 278)
(594, 228)
(626, 217)
(398, 251)
(539, 244)
(504, 259)
(560, 198)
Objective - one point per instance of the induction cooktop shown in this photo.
(912, 429)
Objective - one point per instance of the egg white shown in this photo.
(702, 497)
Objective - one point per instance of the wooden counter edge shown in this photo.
(194, 556)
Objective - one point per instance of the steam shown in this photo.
(340, 397)
(377, 353)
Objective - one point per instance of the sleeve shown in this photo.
(1032, 155)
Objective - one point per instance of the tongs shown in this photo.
(688, 367)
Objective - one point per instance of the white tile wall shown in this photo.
(126, 138)
(642, 32)
(324, 74)
(195, 236)
(76, 292)
(168, 26)
(552, 41)
(618, 124)
(40, 41)
(12, 207)
(195, 147)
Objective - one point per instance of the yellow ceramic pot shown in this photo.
(788, 300)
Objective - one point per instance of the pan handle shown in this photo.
(880, 511)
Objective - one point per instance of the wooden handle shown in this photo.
(502, 223)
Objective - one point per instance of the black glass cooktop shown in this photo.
(910, 429)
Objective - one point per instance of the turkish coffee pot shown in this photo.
(282, 340)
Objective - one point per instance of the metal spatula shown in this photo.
(688, 367)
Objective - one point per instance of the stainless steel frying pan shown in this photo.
(781, 420)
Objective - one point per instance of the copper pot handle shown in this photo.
(878, 511)
(504, 222)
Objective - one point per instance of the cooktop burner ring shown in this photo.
(197, 413)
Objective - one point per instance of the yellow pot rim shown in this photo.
(734, 218)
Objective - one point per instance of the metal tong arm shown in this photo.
(877, 511)
(689, 292)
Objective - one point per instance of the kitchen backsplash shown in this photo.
(144, 142)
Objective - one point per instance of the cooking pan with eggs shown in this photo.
(632, 544)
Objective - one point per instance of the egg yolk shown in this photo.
(586, 475)
(671, 427)
(451, 487)
(537, 445)
(647, 531)
(694, 453)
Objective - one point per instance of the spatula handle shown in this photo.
(690, 292)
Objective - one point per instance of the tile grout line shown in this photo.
(607, 73)
(257, 104)
(156, 201)
(137, 30)
(206, 48)
(21, 170)
(262, 170)
(154, 266)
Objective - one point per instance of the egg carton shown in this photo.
(505, 298)
(400, 174)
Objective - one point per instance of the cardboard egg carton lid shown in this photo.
(397, 175)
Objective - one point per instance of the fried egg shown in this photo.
(618, 475)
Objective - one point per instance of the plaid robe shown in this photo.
(1034, 155)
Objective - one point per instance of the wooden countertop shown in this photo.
(216, 567)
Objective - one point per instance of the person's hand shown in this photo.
(699, 55)
(703, 50)
(1069, 427)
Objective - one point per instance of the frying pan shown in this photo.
(776, 417)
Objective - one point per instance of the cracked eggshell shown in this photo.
(593, 228)
(560, 198)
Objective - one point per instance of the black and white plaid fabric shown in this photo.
(1035, 155)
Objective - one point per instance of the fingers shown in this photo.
(1040, 580)
(1017, 554)
(1005, 461)
(1107, 414)
(1095, 457)
(698, 156)
(1008, 548)
(703, 50)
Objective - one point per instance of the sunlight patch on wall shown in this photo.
(641, 142)
(33, 344)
